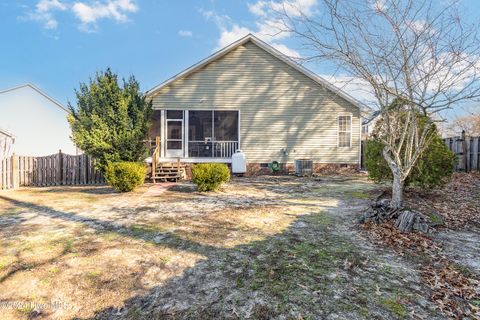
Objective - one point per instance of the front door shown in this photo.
(174, 134)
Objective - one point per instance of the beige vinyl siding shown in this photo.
(280, 107)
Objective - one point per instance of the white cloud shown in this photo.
(257, 8)
(378, 5)
(272, 29)
(43, 13)
(293, 8)
(49, 5)
(356, 87)
(232, 34)
(286, 50)
(88, 12)
(185, 33)
(116, 10)
(235, 32)
(268, 26)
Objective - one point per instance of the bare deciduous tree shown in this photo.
(417, 52)
(469, 123)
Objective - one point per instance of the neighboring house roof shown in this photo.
(31, 86)
(269, 49)
(6, 133)
(371, 117)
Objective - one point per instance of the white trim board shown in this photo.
(197, 160)
(272, 51)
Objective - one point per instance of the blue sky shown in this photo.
(56, 44)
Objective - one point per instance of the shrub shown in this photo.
(125, 176)
(375, 164)
(209, 176)
(110, 120)
(435, 164)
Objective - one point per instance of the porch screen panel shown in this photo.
(200, 134)
(225, 125)
(174, 135)
(154, 129)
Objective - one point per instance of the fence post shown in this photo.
(475, 154)
(15, 173)
(58, 173)
(464, 151)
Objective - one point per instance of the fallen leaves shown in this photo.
(456, 291)
(457, 202)
(402, 243)
(453, 291)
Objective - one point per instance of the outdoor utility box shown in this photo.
(303, 167)
(239, 162)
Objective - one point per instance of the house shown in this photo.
(249, 96)
(38, 122)
(6, 144)
(369, 123)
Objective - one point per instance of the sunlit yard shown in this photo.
(259, 248)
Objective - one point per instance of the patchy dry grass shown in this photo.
(259, 248)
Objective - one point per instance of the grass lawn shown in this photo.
(272, 247)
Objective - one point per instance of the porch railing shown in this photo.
(225, 149)
(212, 149)
(198, 149)
(156, 155)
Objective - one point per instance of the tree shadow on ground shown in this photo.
(305, 271)
(167, 239)
(94, 189)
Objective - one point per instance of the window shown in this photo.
(344, 131)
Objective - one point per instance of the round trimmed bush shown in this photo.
(209, 176)
(125, 176)
(432, 168)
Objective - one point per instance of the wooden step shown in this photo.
(168, 171)
(158, 173)
(173, 174)
(168, 164)
(155, 180)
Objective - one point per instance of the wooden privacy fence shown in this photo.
(54, 170)
(467, 150)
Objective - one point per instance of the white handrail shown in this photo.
(225, 148)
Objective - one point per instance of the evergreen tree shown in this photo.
(110, 122)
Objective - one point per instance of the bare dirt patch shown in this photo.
(271, 247)
(450, 253)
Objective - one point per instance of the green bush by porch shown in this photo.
(125, 176)
(210, 176)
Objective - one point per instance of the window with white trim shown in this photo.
(344, 131)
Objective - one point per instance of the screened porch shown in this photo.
(195, 135)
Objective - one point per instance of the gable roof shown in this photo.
(6, 133)
(268, 48)
(31, 86)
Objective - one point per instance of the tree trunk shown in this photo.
(397, 186)
(397, 192)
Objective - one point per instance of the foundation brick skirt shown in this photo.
(255, 169)
(258, 169)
